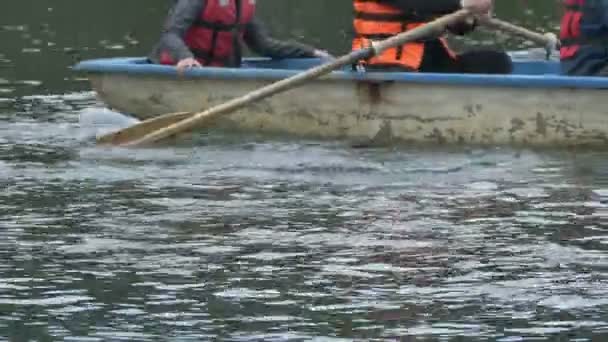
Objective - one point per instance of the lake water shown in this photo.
(248, 237)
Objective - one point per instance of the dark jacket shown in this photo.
(183, 14)
(438, 7)
(591, 58)
(433, 8)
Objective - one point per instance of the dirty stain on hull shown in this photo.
(382, 112)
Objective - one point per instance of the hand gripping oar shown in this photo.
(148, 131)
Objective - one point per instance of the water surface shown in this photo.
(246, 237)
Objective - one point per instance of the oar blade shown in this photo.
(141, 129)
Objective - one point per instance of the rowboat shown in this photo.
(534, 106)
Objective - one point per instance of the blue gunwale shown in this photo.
(527, 73)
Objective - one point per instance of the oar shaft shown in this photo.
(548, 41)
(434, 27)
(253, 96)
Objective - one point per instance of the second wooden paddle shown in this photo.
(548, 40)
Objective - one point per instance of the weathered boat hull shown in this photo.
(531, 110)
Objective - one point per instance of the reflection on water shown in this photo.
(257, 238)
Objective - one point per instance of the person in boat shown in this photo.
(378, 19)
(584, 38)
(210, 33)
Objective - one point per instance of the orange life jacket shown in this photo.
(376, 21)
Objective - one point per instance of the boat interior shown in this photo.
(522, 65)
(532, 68)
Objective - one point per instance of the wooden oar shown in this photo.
(140, 129)
(148, 131)
(548, 40)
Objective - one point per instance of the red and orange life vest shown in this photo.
(376, 21)
(570, 32)
(583, 25)
(216, 35)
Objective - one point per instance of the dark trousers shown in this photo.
(603, 72)
(437, 59)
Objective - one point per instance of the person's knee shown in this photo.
(486, 62)
(504, 64)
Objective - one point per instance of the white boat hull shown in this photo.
(382, 112)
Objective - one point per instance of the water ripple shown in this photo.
(240, 239)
